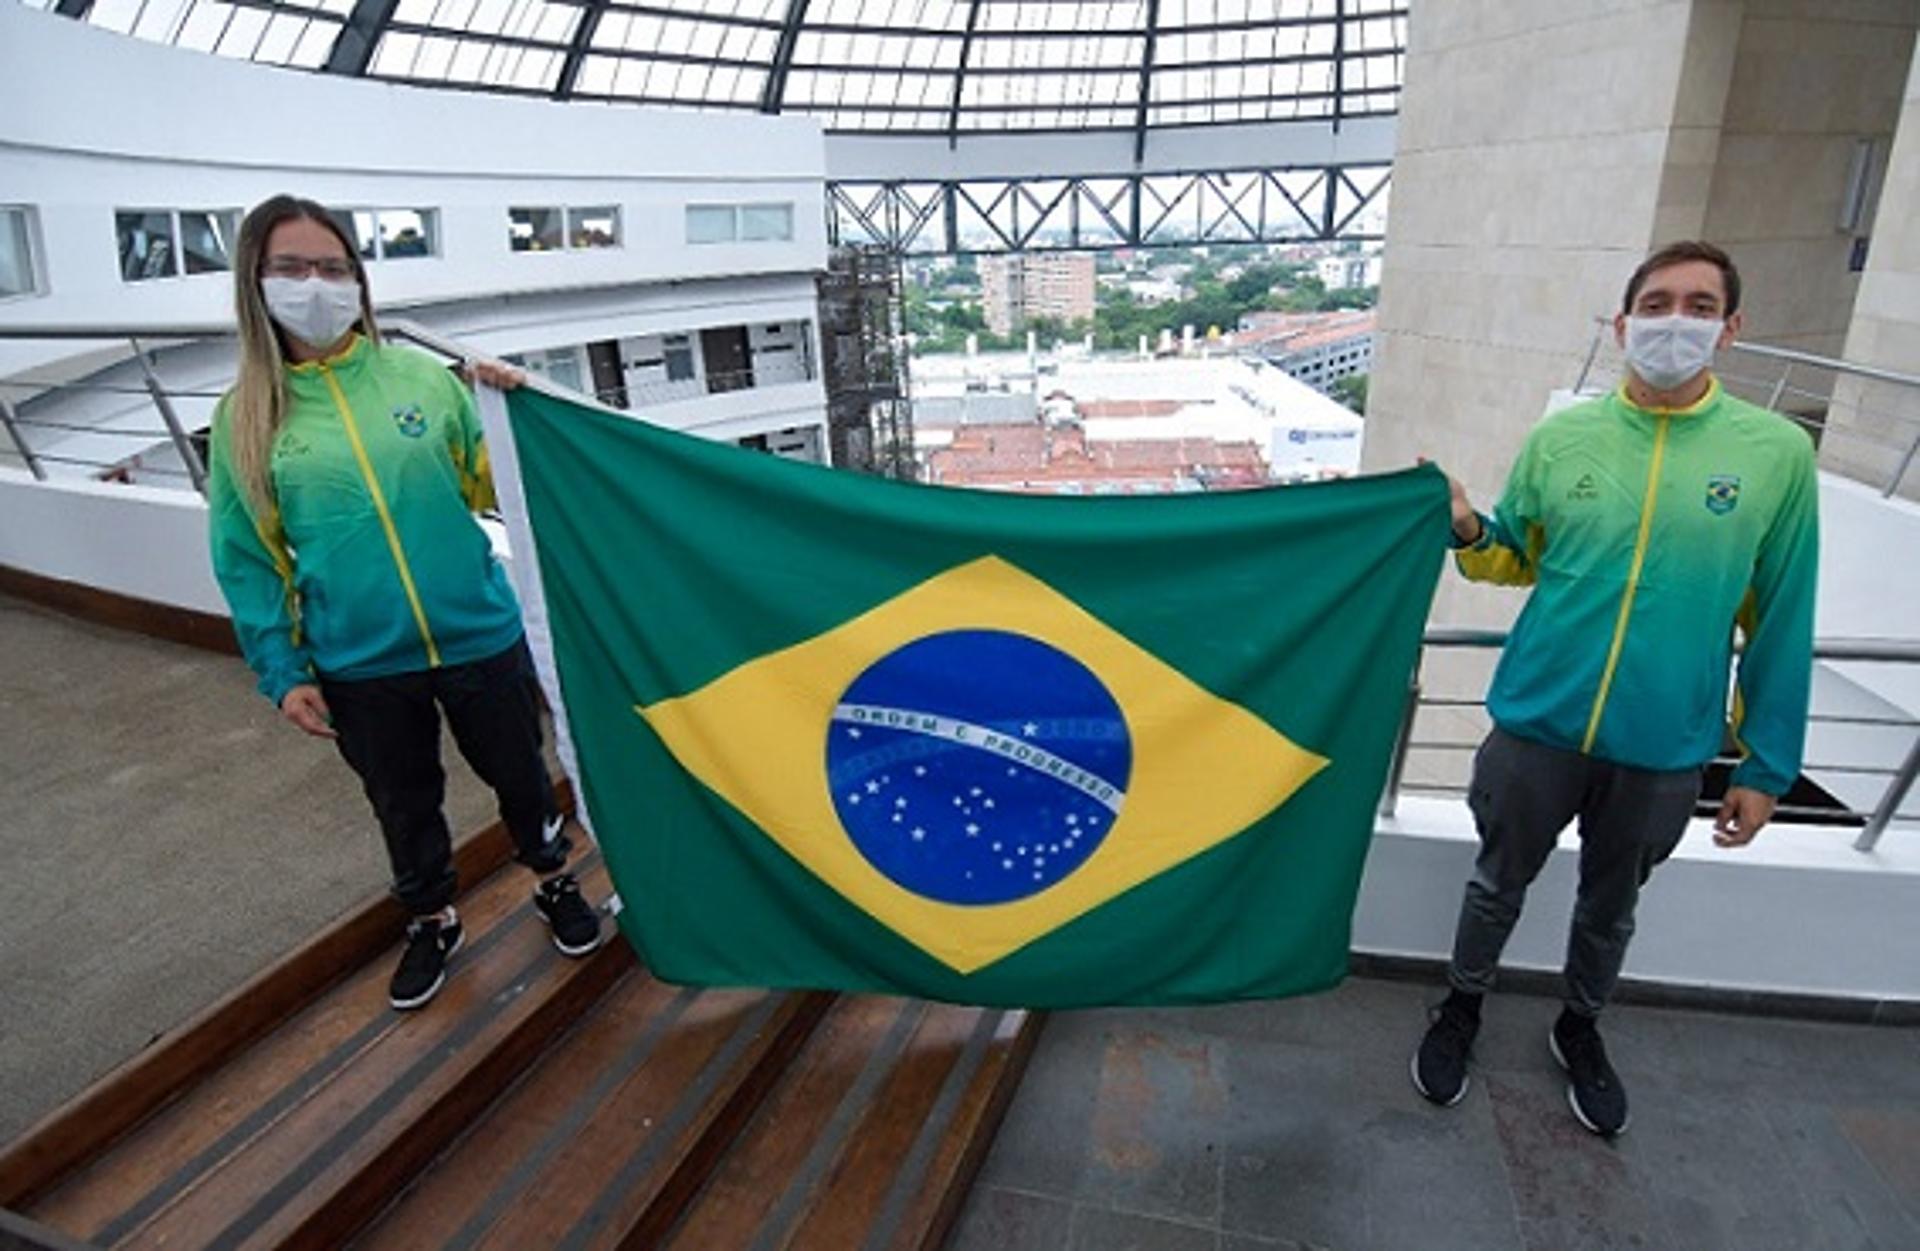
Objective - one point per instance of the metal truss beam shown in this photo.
(592, 12)
(1146, 84)
(775, 91)
(1290, 204)
(353, 46)
(1339, 61)
(960, 76)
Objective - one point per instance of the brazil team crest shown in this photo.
(410, 421)
(1723, 493)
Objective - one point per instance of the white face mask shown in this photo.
(312, 310)
(1669, 351)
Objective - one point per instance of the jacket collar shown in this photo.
(348, 357)
(1699, 406)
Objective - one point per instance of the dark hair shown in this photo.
(1677, 254)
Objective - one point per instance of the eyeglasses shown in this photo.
(332, 268)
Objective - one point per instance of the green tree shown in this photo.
(1048, 331)
(1253, 284)
(1351, 391)
(920, 317)
(1349, 297)
(1305, 296)
(963, 316)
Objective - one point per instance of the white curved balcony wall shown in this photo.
(91, 122)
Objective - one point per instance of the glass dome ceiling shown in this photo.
(951, 67)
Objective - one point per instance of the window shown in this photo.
(19, 275)
(535, 229)
(744, 223)
(146, 245)
(677, 349)
(559, 365)
(207, 241)
(551, 229)
(162, 243)
(392, 234)
(711, 223)
(593, 227)
(760, 222)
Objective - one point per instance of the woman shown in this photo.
(343, 480)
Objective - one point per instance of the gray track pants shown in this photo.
(1523, 794)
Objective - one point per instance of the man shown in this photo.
(1652, 524)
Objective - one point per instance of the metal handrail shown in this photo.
(1796, 357)
(19, 441)
(151, 386)
(1793, 356)
(1789, 358)
(142, 335)
(1869, 650)
(111, 332)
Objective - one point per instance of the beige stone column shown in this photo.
(1871, 425)
(1811, 80)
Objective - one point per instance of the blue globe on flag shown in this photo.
(977, 766)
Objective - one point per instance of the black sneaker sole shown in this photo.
(1413, 1071)
(426, 996)
(1553, 1045)
(599, 936)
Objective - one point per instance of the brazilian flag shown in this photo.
(834, 731)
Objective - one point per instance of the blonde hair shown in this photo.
(258, 402)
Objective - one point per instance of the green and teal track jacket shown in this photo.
(1649, 536)
(371, 562)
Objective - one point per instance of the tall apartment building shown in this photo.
(1339, 273)
(1018, 288)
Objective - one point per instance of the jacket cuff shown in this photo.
(1479, 544)
(275, 685)
(1754, 776)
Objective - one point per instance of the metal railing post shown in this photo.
(34, 466)
(1593, 350)
(196, 472)
(1780, 388)
(1397, 765)
(1897, 789)
(1906, 462)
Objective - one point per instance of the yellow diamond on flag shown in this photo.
(978, 761)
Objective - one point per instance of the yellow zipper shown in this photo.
(1633, 584)
(386, 518)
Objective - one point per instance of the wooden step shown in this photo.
(79, 1132)
(617, 1126)
(870, 1139)
(539, 1103)
(295, 1142)
(728, 1119)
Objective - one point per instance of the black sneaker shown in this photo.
(576, 927)
(1440, 1065)
(1593, 1088)
(423, 965)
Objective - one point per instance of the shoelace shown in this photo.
(423, 943)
